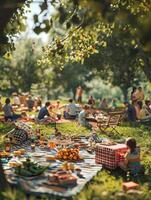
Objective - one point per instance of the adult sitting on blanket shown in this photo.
(8, 111)
(91, 101)
(44, 115)
(82, 118)
(141, 113)
(56, 109)
(103, 104)
(71, 110)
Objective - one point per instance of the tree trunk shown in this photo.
(147, 69)
(125, 93)
(147, 64)
(3, 181)
(74, 93)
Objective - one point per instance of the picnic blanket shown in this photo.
(40, 185)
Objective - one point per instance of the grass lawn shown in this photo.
(107, 184)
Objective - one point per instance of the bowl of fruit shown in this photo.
(69, 154)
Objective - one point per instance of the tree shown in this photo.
(71, 76)
(145, 62)
(82, 15)
(81, 42)
(20, 71)
(25, 62)
(12, 23)
(119, 61)
(69, 12)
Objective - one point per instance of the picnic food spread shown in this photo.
(60, 167)
(59, 171)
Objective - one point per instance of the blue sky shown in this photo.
(34, 9)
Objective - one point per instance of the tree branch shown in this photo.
(7, 9)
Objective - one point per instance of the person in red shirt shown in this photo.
(79, 92)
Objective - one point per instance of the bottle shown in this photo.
(38, 133)
(42, 139)
(38, 130)
(33, 146)
(128, 176)
(7, 144)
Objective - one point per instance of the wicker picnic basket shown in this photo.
(19, 134)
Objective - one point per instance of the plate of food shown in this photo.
(50, 158)
(30, 169)
(5, 154)
(62, 178)
(38, 154)
(69, 154)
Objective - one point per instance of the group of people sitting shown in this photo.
(51, 112)
(71, 111)
(135, 109)
(26, 101)
(138, 109)
(104, 103)
(10, 115)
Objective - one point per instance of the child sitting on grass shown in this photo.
(132, 158)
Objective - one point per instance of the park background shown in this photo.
(109, 69)
(108, 54)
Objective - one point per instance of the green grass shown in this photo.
(66, 128)
(107, 185)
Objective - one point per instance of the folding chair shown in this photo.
(112, 121)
